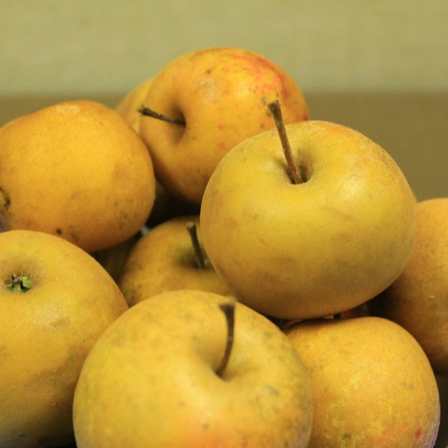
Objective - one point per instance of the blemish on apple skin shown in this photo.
(346, 436)
(73, 232)
(271, 389)
(4, 353)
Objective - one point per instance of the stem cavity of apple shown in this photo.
(228, 309)
(199, 255)
(19, 283)
(276, 111)
(147, 112)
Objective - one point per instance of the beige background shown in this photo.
(378, 66)
(79, 46)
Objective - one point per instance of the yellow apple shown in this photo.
(372, 384)
(166, 205)
(75, 170)
(316, 248)
(219, 97)
(164, 259)
(55, 302)
(157, 379)
(418, 299)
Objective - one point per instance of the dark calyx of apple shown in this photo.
(18, 283)
(147, 112)
(228, 309)
(201, 260)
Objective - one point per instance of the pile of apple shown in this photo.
(272, 279)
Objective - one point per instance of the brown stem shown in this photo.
(276, 111)
(147, 112)
(199, 255)
(229, 312)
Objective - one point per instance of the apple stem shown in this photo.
(229, 312)
(147, 112)
(199, 255)
(276, 111)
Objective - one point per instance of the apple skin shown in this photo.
(163, 260)
(373, 385)
(418, 299)
(221, 94)
(324, 246)
(166, 206)
(46, 333)
(150, 381)
(77, 170)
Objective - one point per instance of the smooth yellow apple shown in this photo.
(418, 299)
(164, 260)
(156, 380)
(55, 302)
(316, 248)
(220, 94)
(75, 170)
(373, 385)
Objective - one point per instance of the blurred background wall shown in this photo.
(84, 46)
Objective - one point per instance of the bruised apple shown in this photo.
(206, 102)
(55, 302)
(76, 170)
(192, 369)
(315, 246)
